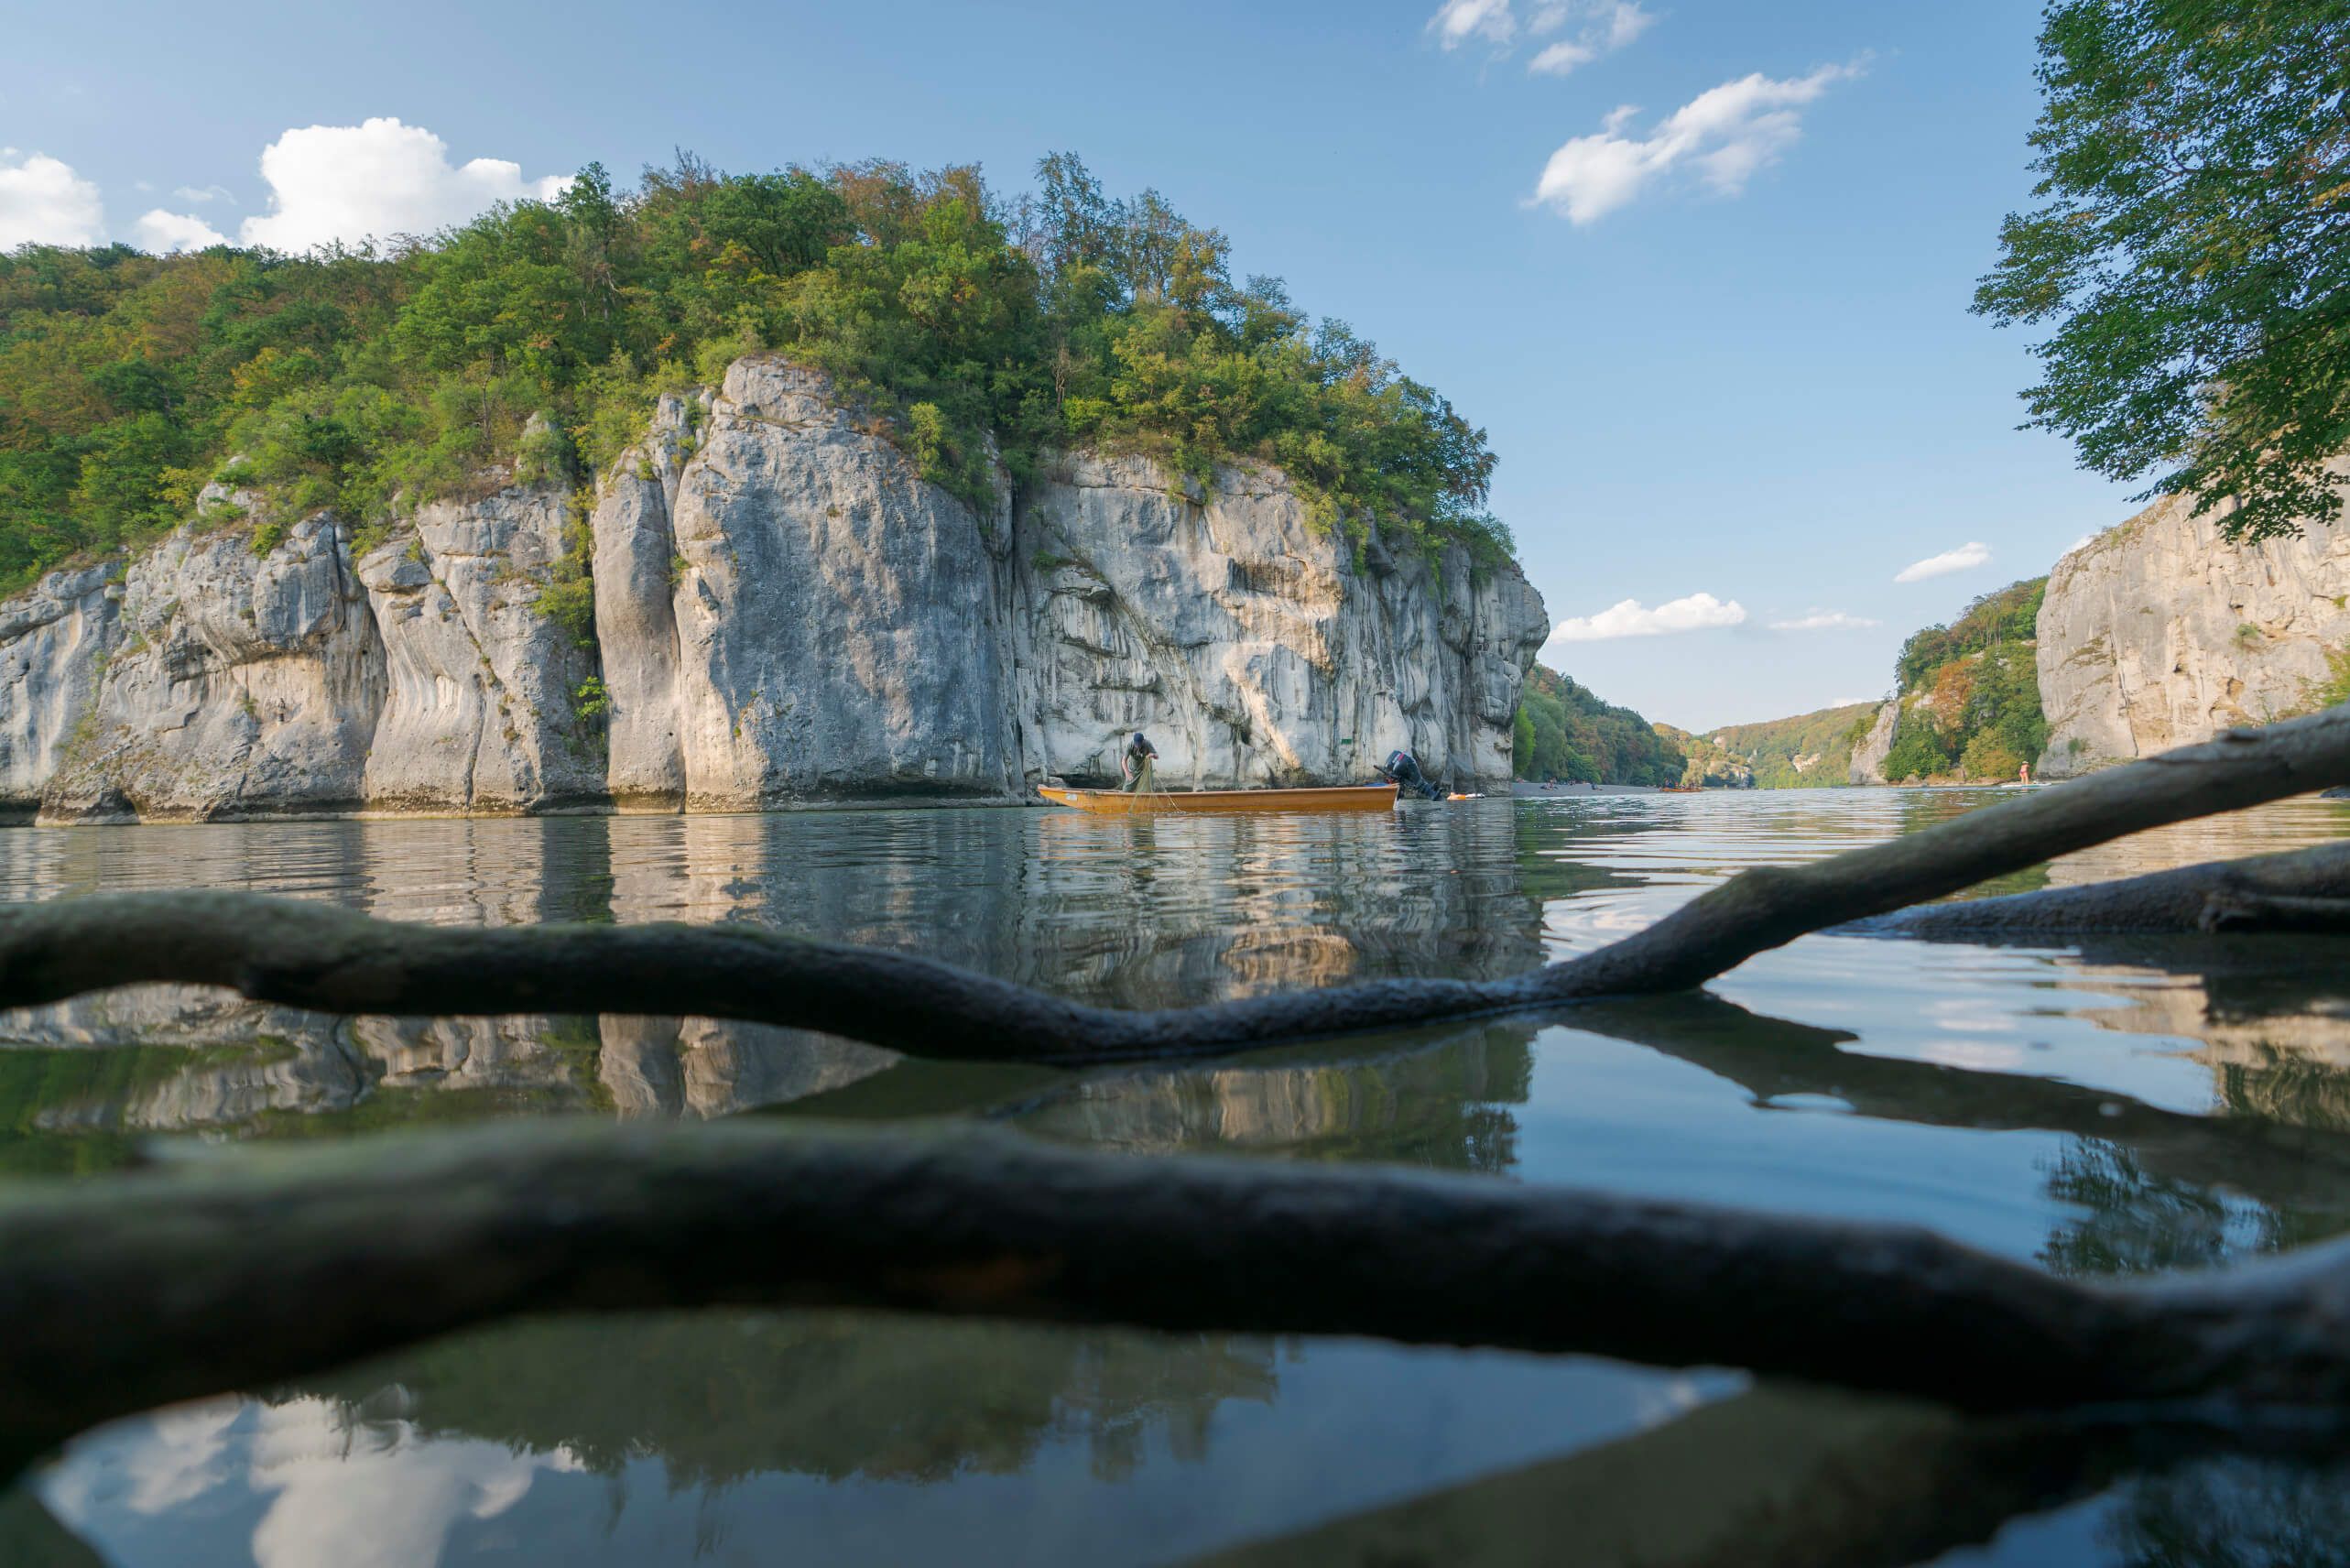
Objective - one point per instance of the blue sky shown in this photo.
(1729, 357)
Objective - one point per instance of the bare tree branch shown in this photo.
(308, 955)
(2303, 890)
(247, 1269)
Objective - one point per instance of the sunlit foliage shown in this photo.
(973, 330)
(2191, 250)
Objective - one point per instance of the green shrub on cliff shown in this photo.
(965, 327)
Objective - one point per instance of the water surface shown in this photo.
(2120, 1108)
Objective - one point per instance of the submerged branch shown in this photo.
(247, 1270)
(308, 955)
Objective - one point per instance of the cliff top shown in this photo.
(966, 328)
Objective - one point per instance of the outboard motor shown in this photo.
(1404, 768)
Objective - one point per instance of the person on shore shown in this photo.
(1134, 764)
(2024, 773)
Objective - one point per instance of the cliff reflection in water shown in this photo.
(1113, 911)
(2128, 1108)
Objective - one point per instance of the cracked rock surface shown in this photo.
(785, 612)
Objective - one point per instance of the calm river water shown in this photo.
(1975, 1090)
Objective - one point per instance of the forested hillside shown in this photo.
(371, 380)
(1809, 751)
(1970, 692)
(1566, 732)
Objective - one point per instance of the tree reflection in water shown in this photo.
(719, 1396)
(1154, 914)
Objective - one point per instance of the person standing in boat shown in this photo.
(1135, 763)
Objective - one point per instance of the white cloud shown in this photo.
(161, 231)
(1824, 621)
(1965, 557)
(1608, 26)
(1601, 26)
(43, 201)
(1631, 618)
(196, 195)
(1725, 132)
(379, 178)
(1458, 21)
(331, 1488)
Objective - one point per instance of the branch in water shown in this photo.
(2304, 890)
(307, 955)
(247, 1269)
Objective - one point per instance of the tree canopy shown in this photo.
(969, 328)
(2191, 251)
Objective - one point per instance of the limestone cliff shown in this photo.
(784, 611)
(1249, 647)
(1871, 750)
(2158, 634)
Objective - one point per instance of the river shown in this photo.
(1972, 1089)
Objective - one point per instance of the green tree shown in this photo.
(371, 382)
(2191, 250)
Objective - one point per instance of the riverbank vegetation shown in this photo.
(1564, 732)
(970, 328)
(1970, 692)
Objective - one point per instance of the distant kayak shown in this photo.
(1225, 802)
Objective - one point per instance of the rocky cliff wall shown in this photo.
(1871, 750)
(785, 612)
(2158, 634)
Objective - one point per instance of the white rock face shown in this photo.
(1248, 645)
(786, 611)
(2157, 634)
(242, 684)
(478, 715)
(54, 645)
(1868, 755)
(839, 624)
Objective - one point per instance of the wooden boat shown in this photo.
(1210, 802)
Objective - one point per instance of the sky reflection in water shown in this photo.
(2109, 1111)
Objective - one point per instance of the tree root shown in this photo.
(251, 1268)
(307, 955)
(2302, 890)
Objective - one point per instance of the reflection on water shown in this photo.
(2120, 1108)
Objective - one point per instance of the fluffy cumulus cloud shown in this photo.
(160, 232)
(1723, 136)
(379, 178)
(348, 183)
(1823, 621)
(1965, 557)
(1593, 28)
(1698, 612)
(43, 201)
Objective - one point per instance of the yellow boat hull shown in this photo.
(1214, 802)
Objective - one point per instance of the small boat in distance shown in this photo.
(1211, 802)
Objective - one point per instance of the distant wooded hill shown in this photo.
(1566, 732)
(1809, 751)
